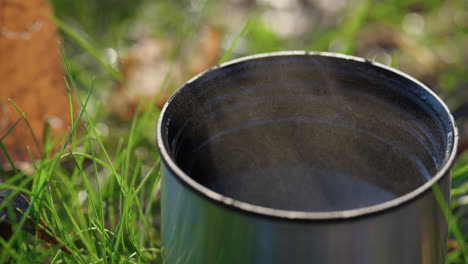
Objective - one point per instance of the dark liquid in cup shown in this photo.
(309, 152)
(306, 189)
(305, 175)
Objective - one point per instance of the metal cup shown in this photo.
(301, 157)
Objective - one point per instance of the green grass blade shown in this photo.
(23, 116)
(88, 47)
(80, 115)
(234, 42)
(452, 223)
(10, 160)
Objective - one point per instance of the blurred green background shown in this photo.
(426, 39)
(137, 53)
(138, 50)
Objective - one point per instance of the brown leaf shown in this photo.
(145, 69)
(205, 53)
(452, 245)
(19, 204)
(413, 58)
(31, 76)
(149, 73)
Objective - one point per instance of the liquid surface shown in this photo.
(306, 189)
(305, 145)
(305, 165)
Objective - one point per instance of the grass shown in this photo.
(98, 193)
(102, 209)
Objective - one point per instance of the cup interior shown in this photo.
(307, 132)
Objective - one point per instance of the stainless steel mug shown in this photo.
(302, 157)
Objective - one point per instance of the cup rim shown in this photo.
(249, 208)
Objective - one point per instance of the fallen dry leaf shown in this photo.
(19, 205)
(31, 76)
(452, 245)
(414, 59)
(148, 73)
(145, 69)
(205, 52)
